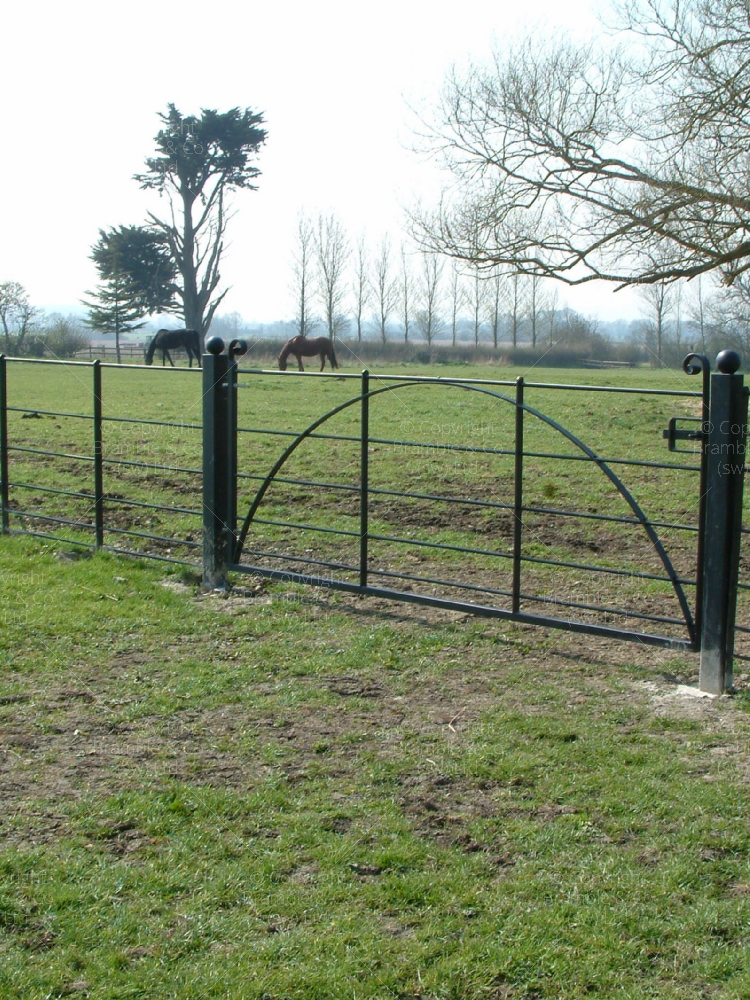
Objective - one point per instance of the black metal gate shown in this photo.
(705, 600)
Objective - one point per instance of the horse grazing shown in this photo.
(308, 347)
(166, 340)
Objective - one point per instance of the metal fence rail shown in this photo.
(687, 605)
(517, 507)
(17, 519)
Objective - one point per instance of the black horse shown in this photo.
(308, 347)
(166, 340)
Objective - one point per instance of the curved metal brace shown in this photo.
(622, 489)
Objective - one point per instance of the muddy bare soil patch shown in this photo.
(62, 742)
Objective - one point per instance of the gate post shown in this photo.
(725, 451)
(218, 533)
(4, 489)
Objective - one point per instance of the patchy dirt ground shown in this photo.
(74, 736)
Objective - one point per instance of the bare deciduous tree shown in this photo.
(551, 311)
(494, 301)
(516, 306)
(385, 288)
(428, 316)
(405, 292)
(697, 310)
(303, 286)
(457, 298)
(536, 305)
(331, 252)
(658, 307)
(362, 288)
(575, 161)
(477, 302)
(16, 315)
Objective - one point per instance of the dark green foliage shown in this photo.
(200, 160)
(137, 278)
(192, 151)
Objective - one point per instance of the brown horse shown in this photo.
(174, 340)
(308, 347)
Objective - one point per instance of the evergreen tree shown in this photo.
(137, 278)
(198, 162)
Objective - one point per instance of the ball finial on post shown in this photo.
(728, 362)
(214, 345)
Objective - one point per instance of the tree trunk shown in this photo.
(191, 302)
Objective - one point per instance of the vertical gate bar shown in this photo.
(98, 457)
(364, 478)
(703, 487)
(216, 467)
(518, 497)
(232, 456)
(4, 444)
(723, 524)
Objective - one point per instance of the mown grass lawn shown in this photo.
(300, 794)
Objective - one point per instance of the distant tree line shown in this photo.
(343, 288)
(27, 330)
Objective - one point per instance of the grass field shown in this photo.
(294, 793)
(297, 794)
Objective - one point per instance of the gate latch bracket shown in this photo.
(673, 434)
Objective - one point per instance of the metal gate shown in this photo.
(705, 599)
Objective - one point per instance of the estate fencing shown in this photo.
(90, 509)
(104, 351)
(339, 535)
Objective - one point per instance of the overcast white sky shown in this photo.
(82, 83)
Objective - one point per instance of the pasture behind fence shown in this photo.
(68, 469)
(300, 477)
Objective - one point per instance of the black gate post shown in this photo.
(518, 498)
(4, 496)
(218, 436)
(364, 478)
(98, 458)
(725, 449)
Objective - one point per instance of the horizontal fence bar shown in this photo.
(426, 379)
(468, 550)
(151, 465)
(439, 380)
(51, 413)
(478, 450)
(153, 423)
(524, 618)
(153, 506)
(148, 368)
(52, 454)
(50, 361)
(50, 489)
(16, 512)
(150, 555)
(493, 504)
(622, 613)
(107, 548)
(155, 538)
(54, 538)
(118, 420)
